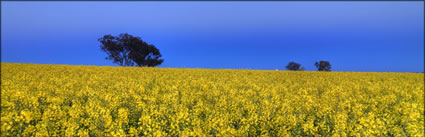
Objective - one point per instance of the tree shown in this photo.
(323, 66)
(127, 50)
(293, 66)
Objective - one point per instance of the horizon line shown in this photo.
(202, 68)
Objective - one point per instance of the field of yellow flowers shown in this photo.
(63, 100)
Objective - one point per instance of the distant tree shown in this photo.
(323, 66)
(127, 50)
(293, 66)
(146, 55)
(302, 68)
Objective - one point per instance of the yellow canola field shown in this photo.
(63, 100)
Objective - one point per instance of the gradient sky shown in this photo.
(353, 36)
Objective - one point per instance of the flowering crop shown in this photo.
(62, 100)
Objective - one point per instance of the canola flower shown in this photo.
(62, 100)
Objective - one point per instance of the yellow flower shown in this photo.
(63, 100)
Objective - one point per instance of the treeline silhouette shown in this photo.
(321, 66)
(127, 50)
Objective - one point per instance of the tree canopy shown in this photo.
(127, 50)
(323, 66)
(293, 66)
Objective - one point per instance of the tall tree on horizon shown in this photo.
(127, 50)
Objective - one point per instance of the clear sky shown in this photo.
(353, 36)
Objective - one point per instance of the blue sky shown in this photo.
(353, 36)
